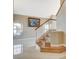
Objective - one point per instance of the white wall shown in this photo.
(27, 31)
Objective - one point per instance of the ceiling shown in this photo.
(38, 8)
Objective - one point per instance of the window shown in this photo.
(18, 49)
(17, 29)
(46, 27)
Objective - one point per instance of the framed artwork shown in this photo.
(33, 22)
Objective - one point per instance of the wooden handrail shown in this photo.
(60, 7)
(44, 23)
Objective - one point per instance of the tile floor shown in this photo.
(33, 53)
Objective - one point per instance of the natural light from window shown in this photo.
(17, 29)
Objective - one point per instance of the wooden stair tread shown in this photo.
(53, 49)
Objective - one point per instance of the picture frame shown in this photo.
(33, 22)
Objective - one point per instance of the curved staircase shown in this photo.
(47, 42)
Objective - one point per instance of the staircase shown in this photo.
(52, 41)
